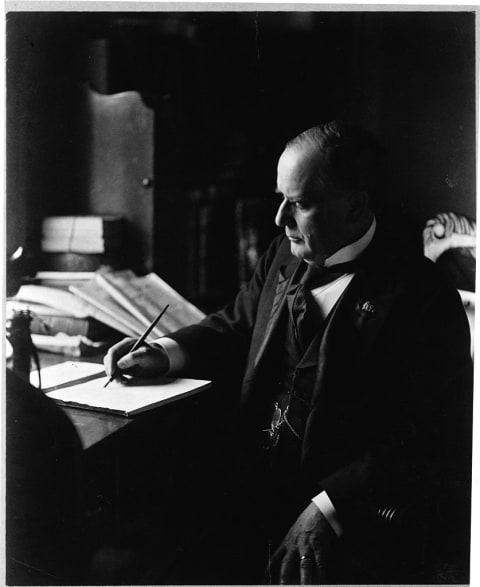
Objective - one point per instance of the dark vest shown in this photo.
(288, 485)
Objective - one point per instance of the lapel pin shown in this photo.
(368, 308)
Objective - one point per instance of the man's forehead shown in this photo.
(298, 165)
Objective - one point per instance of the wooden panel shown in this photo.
(120, 168)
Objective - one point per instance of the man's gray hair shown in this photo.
(348, 156)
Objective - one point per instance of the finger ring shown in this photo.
(307, 561)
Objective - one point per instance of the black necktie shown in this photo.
(306, 314)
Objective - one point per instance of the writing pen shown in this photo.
(139, 342)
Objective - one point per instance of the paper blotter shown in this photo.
(127, 399)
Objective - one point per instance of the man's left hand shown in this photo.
(302, 555)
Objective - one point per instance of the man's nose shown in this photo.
(283, 216)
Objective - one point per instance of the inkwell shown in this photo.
(18, 324)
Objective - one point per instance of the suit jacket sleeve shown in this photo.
(221, 342)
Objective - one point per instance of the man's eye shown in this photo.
(301, 205)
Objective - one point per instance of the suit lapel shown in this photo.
(344, 322)
(286, 276)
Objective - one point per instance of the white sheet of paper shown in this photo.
(65, 372)
(127, 399)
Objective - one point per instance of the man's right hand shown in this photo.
(147, 361)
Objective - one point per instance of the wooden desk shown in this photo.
(91, 427)
(94, 428)
(133, 476)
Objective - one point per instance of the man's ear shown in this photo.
(358, 205)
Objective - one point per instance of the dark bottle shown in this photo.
(20, 338)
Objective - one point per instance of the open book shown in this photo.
(129, 303)
(123, 301)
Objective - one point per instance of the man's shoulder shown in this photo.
(399, 255)
(405, 269)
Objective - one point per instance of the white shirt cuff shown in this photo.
(323, 503)
(177, 357)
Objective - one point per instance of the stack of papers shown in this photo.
(81, 385)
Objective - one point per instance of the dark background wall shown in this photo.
(230, 88)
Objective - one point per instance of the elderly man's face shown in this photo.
(312, 215)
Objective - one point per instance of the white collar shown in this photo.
(353, 250)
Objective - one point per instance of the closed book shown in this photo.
(88, 226)
(63, 279)
(84, 244)
(81, 262)
(63, 301)
(71, 346)
(89, 327)
(14, 304)
(50, 321)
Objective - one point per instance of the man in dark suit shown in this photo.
(357, 373)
